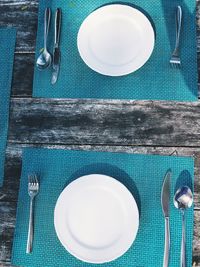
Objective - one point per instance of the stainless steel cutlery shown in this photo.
(183, 200)
(165, 202)
(56, 53)
(33, 189)
(175, 60)
(44, 59)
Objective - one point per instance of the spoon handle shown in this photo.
(47, 18)
(167, 243)
(183, 254)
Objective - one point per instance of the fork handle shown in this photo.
(179, 15)
(30, 229)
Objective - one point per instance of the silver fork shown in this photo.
(175, 60)
(33, 189)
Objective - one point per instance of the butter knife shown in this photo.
(56, 52)
(165, 202)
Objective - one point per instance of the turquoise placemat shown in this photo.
(156, 80)
(7, 47)
(141, 174)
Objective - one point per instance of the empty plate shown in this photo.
(116, 40)
(96, 218)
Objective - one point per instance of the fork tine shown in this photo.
(33, 179)
(33, 190)
(36, 180)
(29, 179)
(175, 65)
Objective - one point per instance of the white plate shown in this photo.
(96, 218)
(116, 40)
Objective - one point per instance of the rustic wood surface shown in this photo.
(150, 127)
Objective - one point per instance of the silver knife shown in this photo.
(165, 202)
(56, 52)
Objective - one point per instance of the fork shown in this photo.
(33, 189)
(175, 60)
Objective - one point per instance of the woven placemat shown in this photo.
(141, 174)
(7, 47)
(156, 80)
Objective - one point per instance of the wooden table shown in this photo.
(130, 126)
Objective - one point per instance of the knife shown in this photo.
(165, 202)
(56, 52)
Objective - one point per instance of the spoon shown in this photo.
(44, 59)
(183, 200)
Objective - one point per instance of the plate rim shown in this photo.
(100, 10)
(136, 222)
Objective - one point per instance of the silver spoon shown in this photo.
(183, 200)
(44, 59)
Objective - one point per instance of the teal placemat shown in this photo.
(7, 47)
(141, 174)
(156, 80)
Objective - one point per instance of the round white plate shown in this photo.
(96, 218)
(116, 40)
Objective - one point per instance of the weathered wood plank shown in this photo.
(57, 121)
(7, 225)
(21, 14)
(9, 191)
(23, 75)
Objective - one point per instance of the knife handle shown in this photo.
(167, 243)
(58, 17)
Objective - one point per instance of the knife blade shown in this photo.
(56, 52)
(165, 202)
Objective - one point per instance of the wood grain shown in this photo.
(23, 75)
(23, 16)
(57, 121)
(7, 223)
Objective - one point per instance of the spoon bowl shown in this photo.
(183, 198)
(44, 60)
